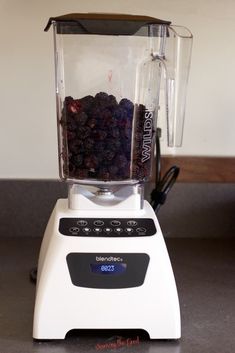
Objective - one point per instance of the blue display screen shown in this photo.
(108, 268)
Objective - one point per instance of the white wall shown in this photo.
(28, 143)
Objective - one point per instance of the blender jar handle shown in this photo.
(176, 68)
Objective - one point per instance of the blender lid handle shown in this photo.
(176, 68)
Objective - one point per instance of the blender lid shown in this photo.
(102, 23)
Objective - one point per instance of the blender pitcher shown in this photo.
(103, 262)
(109, 69)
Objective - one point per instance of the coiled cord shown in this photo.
(162, 185)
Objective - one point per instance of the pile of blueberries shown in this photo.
(97, 134)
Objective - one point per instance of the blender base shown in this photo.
(76, 288)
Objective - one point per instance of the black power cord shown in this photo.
(33, 275)
(162, 185)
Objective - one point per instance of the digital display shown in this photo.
(108, 268)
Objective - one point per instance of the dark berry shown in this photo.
(99, 135)
(77, 160)
(104, 174)
(89, 143)
(119, 113)
(124, 173)
(92, 123)
(128, 132)
(70, 135)
(74, 106)
(101, 96)
(71, 168)
(99, 147)
(81, 118)
(87, 103)
(74, 146)
(140, 111)
(114, 132)
(113, 170)
(83, 132)
(139, 136)
(109, 155)
(108, 121)
(68, 100)
(112, 102)
(96, 113)
(91, 162)
(127, 104)
(71, 124)
(82, 173)
(121, 161)
(113, 144)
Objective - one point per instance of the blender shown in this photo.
(103, 262)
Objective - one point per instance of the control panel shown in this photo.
(107, 227)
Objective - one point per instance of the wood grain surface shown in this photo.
(202, 169)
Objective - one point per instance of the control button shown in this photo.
(141, 230)
(118, 230)
(129, 230)
(108, 230)
(132, 223)
(74, 230)
(98, 223)
(115, 223)
(82, 223)
(86, 230)
(97, 230)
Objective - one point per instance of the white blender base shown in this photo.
(61, 306)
